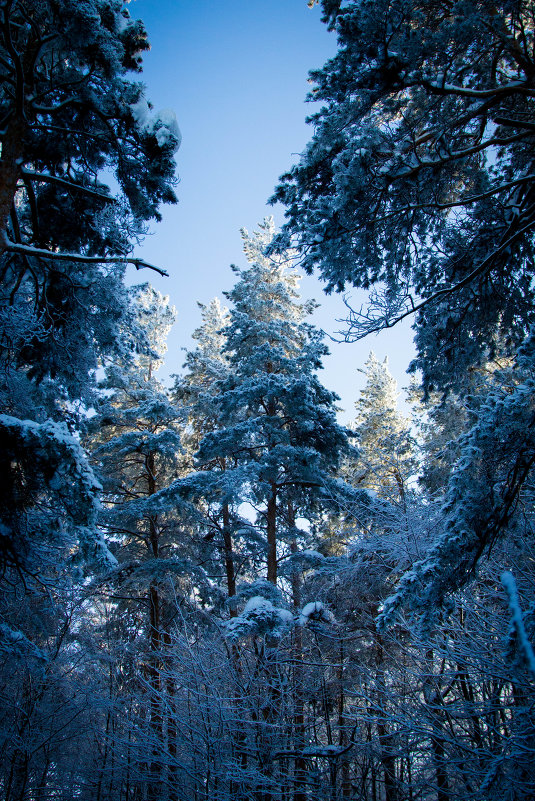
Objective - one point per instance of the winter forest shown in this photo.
(211, 589)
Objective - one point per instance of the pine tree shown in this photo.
(386, 460)
(69, 113)
(196, 391)
(136, 450)
(276, 422)
(64, 71)
(418, 179)
(418, 184)
(205, 365)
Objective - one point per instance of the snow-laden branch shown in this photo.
(496, 458)
(517, 619)
(460, 203)
(28, 250)
(513, 87)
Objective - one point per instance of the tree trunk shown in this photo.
(388, 760)
(434, 700)
(41, 792)
(18, 782)
(272, 535)
(229, 557)
(156, 722)
(10, 170)
(154, 672)
(299, 790)
(171, 725)
(342, 723)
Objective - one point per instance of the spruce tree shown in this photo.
(418, 185)
(196, 392)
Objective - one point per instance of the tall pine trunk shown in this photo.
(272, 534)
(434, 701)
(229, 557)
(155, 636)
(10, 171)
(387, 757)
(299, 789)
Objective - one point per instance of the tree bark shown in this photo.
(10, 172)
(170, 687)
(154, 672)
(342, 723)
(299, 789)
(434, 700)
(272, 535)
(388, 760)
(156, 721)
(229, 557)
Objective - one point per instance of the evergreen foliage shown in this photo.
(417, 184)
(418, 178)
(277, 430)
(386, 460)
(227, 601)
(68, 113)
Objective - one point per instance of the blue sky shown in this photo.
(236, 75)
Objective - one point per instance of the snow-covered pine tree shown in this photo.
(137, 453)
(277, 430)
(386, 459)
(205, 364)
(66, 65)
(418, 184)
(69, 114)
(439, 422)
(411, 186)
(195, 391)
(378, 531)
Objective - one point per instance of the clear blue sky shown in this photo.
(236, 75)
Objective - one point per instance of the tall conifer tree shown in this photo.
(276, 421)
(137, 454)
(387, 451)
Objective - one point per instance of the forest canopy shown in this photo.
(214, 590)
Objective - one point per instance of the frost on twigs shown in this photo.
(259, 587)
(306, 559)
(137, 576)
(485, 488)
(410, 188)
(15, 643)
